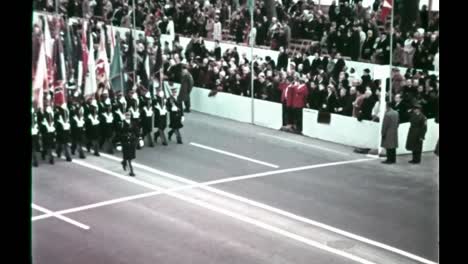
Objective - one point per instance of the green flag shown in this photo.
(250, 5)
(116, 73)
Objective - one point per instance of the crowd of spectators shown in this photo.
(348, 28)
(325, 83)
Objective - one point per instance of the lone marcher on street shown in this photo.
(390, 134)
(416, 134)
(129, 143)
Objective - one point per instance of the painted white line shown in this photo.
(234, 155)
(236, 216)
(95, 205)
(304, 144)
(61, 217)
(191, 184)
(271, 228)
(205, 186)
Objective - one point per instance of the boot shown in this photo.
(124, 165)
(169, 134)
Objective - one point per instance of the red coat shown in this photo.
(300, 96)
(282, 87)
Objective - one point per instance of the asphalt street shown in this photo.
(279, 198)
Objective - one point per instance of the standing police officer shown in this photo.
(416, 133)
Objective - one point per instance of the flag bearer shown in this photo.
(62, 125)
(176, 116)
(147, 118)
(92, 127)
(160, 118)
(107, 127)
(35, 137)
(78, 131)
(48, 136)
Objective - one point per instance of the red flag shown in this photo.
(49, 52)
(60, 74)
(386, 9)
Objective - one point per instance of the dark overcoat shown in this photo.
(416, 133)
(390, 130)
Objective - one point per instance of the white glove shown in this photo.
(183, 118)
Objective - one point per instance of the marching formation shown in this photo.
(112, 122)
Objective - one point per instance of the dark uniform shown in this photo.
(134, 111)
(48, 137)
(62, 125)
(35, 139)
(160, 117)
(92, 129)
(120, 108)
(43, 116)
(176, 116)
(78, 132)
(390, 135)
(107, 127)
(129, 144)
(147, 119)
(416, 134)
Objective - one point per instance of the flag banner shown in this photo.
(84, 47)
(386, 9)
(40, 79)
(102, 63)
(49, 52)
(90, 84)
(80, 74)
(116, 71)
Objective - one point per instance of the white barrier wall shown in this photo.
(268, 114)
(342, 130)
(225, 105)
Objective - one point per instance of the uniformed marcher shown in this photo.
(147, 118)
(176, 116)
(107, 127)
(62, 125)
(120, 108)
(134, 110)
(35, 138)
(48, 136)
(92, 128)
(78, 131)
(416, 133)
(390, 134)
(129, 143)
(45, 114)
(160, 116)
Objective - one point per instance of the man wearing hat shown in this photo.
(390, 134)
(176, 116)
(135, 115)
(47, 130)
(147, 118)
(62, 126)
(107, 126)
(77, 131)
(92, 128)
(186, 84)
(416, 133)
(129, 143)
(160, 118)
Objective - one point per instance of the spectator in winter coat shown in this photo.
(300, 96)
(344, 104)
(217, 30)
(330, 102)
(282, 59)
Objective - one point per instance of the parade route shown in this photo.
(236, 193)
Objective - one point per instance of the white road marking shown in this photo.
(231, 214)
(234, 155)
(304, 144)
(95, 205)
(61, 217)
(205, 186)
(191, 184)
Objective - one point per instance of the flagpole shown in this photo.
(251, 59)
(134, 46)
(391, 53)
